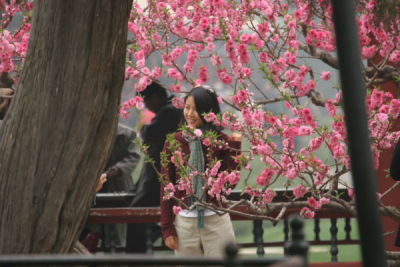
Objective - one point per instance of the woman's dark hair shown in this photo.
(206, 101)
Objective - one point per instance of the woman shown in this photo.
(196, 231)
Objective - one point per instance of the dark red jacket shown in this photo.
(170, 174)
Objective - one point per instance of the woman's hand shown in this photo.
(172, 242)
(235, 136)
(102, 180)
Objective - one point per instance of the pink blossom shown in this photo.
(178, 102)
(265, 177)
(307, 213)
(203, 75)
(177, 88)
(216, 60)
(176, 209)
(234, 177)
(305, 130)
(316, 143)
(206, 142)
(326, 75)
(135, 102)
(224, 76)
(246, 72)
(204, 23)
(268, 196)
(324, 201)
(198, 132)
(350, 192)
(245, 38)
(395, 56)
(211, 117)
(299, 191)
(263, 57)
(313, 203)
(242, 96)
(174, 73)
(169, 190)
(368, 52)
(243, 53)
(290, 173)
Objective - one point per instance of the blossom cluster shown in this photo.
(236, 43)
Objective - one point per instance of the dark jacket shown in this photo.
(125, 158)
(171, 175)
(395, 164)
(153, 135)
(395, 173)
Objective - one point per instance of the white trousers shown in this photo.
(208, 241)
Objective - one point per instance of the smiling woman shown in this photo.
(192, 118)
(188, 155)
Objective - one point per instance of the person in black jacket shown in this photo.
(153, 135)
(395, 173)
(122, 161)
(117, 177)
(395, 164)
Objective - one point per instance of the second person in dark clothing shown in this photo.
(153, 135)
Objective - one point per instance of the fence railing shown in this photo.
(296, 250)
(108, 212)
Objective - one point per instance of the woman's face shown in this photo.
(192, 118)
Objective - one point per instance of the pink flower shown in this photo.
(178, 102)
(263, 57)
(203, 75)
(198, 132)
(176, 88)
(307, 213)
(245, 38)
(268, 196)
(175, 74)
(206, 142)
(316, 143)
(224, 76)
(242, 96)
(299, 191)
(265, 177)
(312, 202)
(216, 60)
(324, 201)
(305, 130)
(234, 177)
(156, 73)
(204, 23)
(169, 190)
(176, 209)
(326, 75)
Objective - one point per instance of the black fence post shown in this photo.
(354, 92)
(149, 239)
(231, 255)
(297, 246)
(258, 234)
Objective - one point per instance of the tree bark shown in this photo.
(57, 135)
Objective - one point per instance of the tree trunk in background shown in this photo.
(56, 137)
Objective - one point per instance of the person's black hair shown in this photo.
(154, 88)
(206, 101)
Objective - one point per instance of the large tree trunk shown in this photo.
(57, 135)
